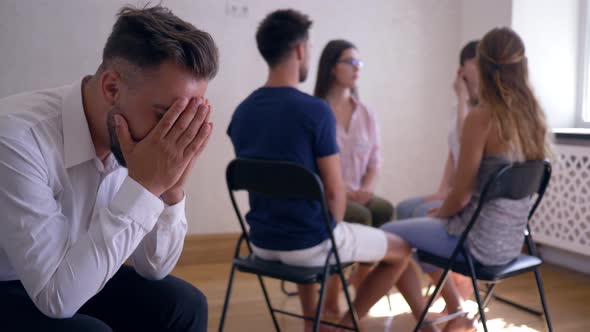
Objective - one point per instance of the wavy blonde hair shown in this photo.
(505, 90)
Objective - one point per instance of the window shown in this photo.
(583, 103)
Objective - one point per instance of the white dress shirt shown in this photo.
(67, 220)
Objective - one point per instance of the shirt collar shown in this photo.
(78, 146)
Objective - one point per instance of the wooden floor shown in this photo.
(568, 295)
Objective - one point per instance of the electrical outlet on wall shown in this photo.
(236, 8)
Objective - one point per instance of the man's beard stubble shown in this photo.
(113, 139)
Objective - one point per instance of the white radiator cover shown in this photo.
(563, 218)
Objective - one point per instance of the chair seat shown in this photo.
(521, 264)
(278, 270)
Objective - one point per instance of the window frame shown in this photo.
(583, 86)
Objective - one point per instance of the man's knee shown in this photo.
(77, 323)
(199, 301)
(192, 308)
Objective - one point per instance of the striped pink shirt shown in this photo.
(359, 146)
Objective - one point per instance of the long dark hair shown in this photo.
(468, 52)
(328, 61)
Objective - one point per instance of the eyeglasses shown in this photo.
(353, 62)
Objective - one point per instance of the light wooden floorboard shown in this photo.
(568, 295)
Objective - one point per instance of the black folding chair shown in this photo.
(282, 180)
(515, 181)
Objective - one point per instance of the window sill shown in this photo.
(572, 133)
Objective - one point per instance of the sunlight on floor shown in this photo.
(500, 324)
(399, 306)
(381, 308)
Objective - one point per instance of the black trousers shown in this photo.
(128, 302)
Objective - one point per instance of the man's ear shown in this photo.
(300, 51)
(110, 86)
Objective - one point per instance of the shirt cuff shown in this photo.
(173, 213)
(136, 202)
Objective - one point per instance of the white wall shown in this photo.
(480, 16)
(550, 30)
(410, 48)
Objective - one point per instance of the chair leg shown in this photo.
(270, 308)
(437, 291)
(489, 296)
(318, 312)
(518, 305)
(543, 300)
(476, 292)
(349, 300)
(227, 295)
(389, 302)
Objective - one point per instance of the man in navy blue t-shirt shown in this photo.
(279, 122)
(283, 123)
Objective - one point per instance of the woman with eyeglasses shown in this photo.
(358, 140)
(357, 133)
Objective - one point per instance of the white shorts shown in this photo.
(355, 242)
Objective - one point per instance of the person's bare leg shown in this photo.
(410, 287)
(461, 282)
(434, 278)
(464, 285)
(308, 296)
(361, 272)
(454, 302)
(331, 304)
(334, 288)
(381, 278)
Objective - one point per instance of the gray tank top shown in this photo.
(497, 236)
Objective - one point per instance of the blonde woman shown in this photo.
(507, 126)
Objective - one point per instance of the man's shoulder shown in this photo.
(22, 112)
(311, 108)
(289, 100)
(314, 102)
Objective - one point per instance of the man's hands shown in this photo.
(163, 160)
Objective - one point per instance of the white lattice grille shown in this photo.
(563, 218)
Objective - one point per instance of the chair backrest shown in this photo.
(518, 181)
(275, 179)
(513, 181)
